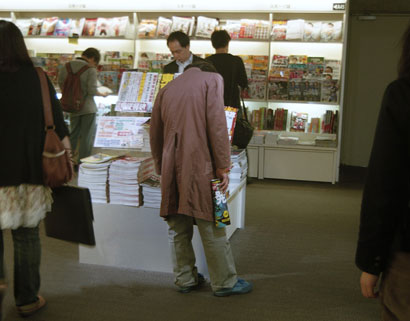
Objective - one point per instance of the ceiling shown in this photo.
(379, 6)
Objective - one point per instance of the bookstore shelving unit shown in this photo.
(127, 236)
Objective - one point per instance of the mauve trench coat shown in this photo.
(189, 140)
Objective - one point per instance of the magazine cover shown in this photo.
(295, 29)
(76, 27)
(331, 31)
(164, 27)
(35, 27)
(118, 26)
(62, 28)
(184, 24)
(247, 30)
(279, 30)
(279, 73)
(297, 72)
(232, 27)
(315, 67)
(262, 29)
(332, 69)
(311, 90)
(102, 26)
(312, 31)
(256, 89)
(89, 27)
(24, 26)
(297, 60)
(298, 121)
(48, 26)
(278, 90)
(109, 79)
(295, 90)
(147, 28)
(330, 91)
(220, 205)
(279, 60)
(205, 26)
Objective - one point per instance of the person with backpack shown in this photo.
(78, 82)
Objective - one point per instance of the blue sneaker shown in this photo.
(241, 287)
(189, 288)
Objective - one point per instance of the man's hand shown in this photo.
(222, 174)
(368, 284)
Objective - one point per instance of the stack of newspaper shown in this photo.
(123, 181)
(151, 191)
(239, 168)
(94, 177)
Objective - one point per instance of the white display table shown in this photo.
(137, 237)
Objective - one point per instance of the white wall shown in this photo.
(373, 53)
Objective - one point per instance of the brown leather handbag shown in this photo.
(57, 168)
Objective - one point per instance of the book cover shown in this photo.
(48, 26)
(247, 30)
(35, 27)
(262, 29)
(24, 26)
(295, 90)
(109, 79)
(184, 24)
(331, 69)
(280, 61)
(315, 67)
(118, 26)
(233, 27)
(298, 121)
(330, 91)
(331, 31)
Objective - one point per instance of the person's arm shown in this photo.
(156, 133)
(386, 191)
(217, 130)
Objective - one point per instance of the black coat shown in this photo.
(385, 215)
(232, 69)
(22, 126)
(172, 67)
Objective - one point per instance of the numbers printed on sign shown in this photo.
(339, 6)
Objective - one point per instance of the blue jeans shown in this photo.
(27, 254)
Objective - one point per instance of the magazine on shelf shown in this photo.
(62, 28)
(311, 90)
(262, 29)
(312, 31)
(330, 90)
(24, 25)
(233, 27)
(164, 27)
(205, 26)
(278, 89)
(295, 29)
(184, 24)
(101, 29)
(35, 27)
(280, 61)
(118, 26)
(331, 31)
(279, 30)
(295, 89)
(90, 25)
(331, 69)
(147, 28)
(76, 27)
(230, 114)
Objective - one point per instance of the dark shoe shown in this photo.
(29, 309)
(187, 289)
(241, 287)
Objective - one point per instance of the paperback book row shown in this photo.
(269, 119)
(279, 30)
(66, 27)
(303, 78)
(120, 180)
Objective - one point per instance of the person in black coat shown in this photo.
(231, 68)
(24, 199)
(179, 44)
(384, 238)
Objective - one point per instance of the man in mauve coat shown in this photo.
(190, 146)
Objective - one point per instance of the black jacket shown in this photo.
(233, 72)
(172, 67)
(22, 126)
(385, 215)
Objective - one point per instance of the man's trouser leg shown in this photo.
(87, 134)
(180, 232)
(219, 258)
(75, 124)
